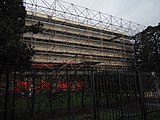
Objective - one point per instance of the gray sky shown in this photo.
(145, 12)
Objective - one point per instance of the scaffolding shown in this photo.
(76, 36)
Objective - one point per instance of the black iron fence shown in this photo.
(86, 94)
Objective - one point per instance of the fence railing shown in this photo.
(89, 94)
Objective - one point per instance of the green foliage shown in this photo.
(147, 49)
(13, 52)
(35, 28)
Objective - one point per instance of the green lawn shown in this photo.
(45, 106)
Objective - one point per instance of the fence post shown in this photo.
(141, 95)
(120, 94)
(14, 90)
(33, 95)
(94, 94)
(82, 91)
(6, 94)
(68, 90)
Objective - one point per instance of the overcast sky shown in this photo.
(145, 12)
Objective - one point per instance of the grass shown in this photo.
(58, 107)
(59, 102)
(156, 116)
